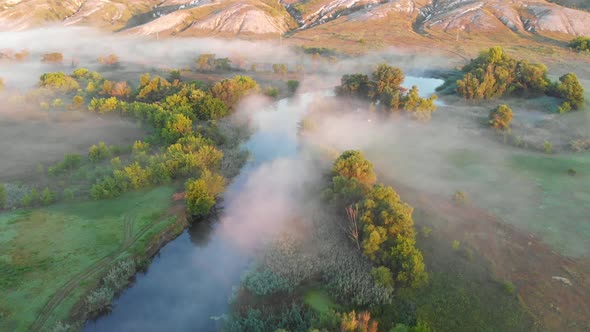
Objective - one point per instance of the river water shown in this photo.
(188, 284)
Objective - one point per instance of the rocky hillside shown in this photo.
(259, 18)
(497, 15)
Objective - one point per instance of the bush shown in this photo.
(508, 287)
(3, 197)
(47, 197)
(58, 81)
(570, 89)
(548, 147)
(199, 198)
(426, 231)
(99, 301)
(99, 152)
(280, 68)
(70, 162)
(68, 194)
(118, 277)
(272, 92)
(580, 44)
(580, 145)
(352, 164)
(460, 197)
(382, 276)
(108, 60)
(494, 73)
(292, 86)
(53, 58)
(500, 117)
(230, 91)
(30, 199)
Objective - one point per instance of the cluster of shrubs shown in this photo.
(385, 90)
(115, 280)
(209, 62)
(190, 156)
(494, 73)
(34, 198)
(581, 44)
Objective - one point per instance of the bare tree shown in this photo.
(353, 226)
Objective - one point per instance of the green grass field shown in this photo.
(533, 191)
(562, 201)
(66, 248)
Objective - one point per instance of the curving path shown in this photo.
(63, 292)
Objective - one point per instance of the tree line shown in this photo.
(379, 222)
(494, 74)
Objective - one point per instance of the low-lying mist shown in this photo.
(448, 154)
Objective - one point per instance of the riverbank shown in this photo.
(60, 253)
(155, 239)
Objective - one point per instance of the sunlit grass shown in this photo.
(42, 249)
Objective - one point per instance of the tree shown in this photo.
(344, 191)
(58, 81)
(389, 237)
(205, 61)
(356, 85)
(571, 90)
(47, 197)
(80, 73)
(222, 64)
(107, 87)
(121, 90)
(387, 78)
(99, 152)
(417, 106)
(382, 276)
(500, 117)
(108, 60)
(31, 198)
(280, 68)
(201, 193)
(152, 89)
(533, 76)
(292, 86)
(272, 92)
(580, 44)
(210, 108)
(177, 126)
(230, 91)
(352, 164)
(53, 58)
(3, 196)
(77, 102)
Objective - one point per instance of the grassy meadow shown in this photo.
(64, 250)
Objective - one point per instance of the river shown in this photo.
(188, 284)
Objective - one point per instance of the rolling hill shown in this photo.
(352, 21)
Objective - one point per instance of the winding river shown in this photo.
(188, 284)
